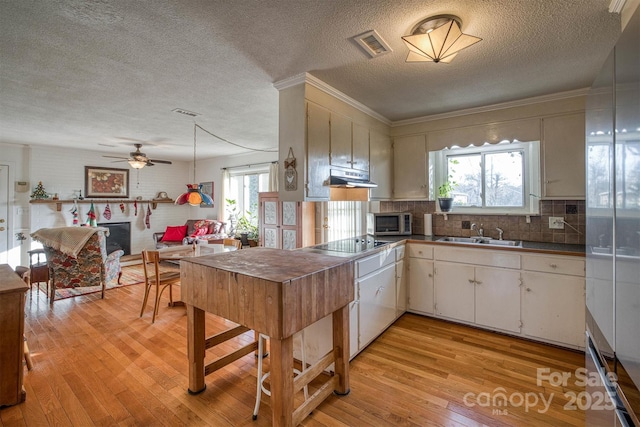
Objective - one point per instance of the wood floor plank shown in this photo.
(98, 363)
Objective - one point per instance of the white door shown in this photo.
(496, 287)
(421, 285)
(4, 214)
(454, 291)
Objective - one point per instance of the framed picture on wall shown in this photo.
(106, 182)
(207, 188)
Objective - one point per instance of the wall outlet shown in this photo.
(556, 222)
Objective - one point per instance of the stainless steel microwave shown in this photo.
(389, 223)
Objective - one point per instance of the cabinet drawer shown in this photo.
(371, 263)
(400, 253)
(420, 251)
(552, 264)
(484, 257)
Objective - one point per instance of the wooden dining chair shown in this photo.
(232, 242)
(153, 277)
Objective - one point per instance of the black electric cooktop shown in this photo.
(352, 244)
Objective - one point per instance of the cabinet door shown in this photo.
(381, 165)
(318, 146)
(553, 307)
(401, 288)
(360, 148)
(353, 328)
(454, 291)
(290, 225)
(340, 141)
(410, 179)
(564, 170)
(268, 218)
(498, 288)
(377, 303)
(421, 285)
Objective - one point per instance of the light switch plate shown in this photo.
(556, 222)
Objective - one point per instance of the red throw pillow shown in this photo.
(174, 234)
(200, 232)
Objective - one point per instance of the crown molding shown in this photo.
(616, 6)
(319, 84)
(330, 90)
(493, 107)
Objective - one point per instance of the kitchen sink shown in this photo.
(481, 241)
(458, 239)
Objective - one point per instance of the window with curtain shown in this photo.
(500, 178)
(244, 186)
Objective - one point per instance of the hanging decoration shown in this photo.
(146, 218)
(91, 217)
(290, 173)
(38, 192)
(194, 195)
(121, 207)
(107, 212)
(74, 212)
(135, 208)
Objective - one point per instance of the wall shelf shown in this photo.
(59, 203)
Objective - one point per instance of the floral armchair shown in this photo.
(92, 266)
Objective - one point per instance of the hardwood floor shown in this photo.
(98, 363)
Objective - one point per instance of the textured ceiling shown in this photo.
(103, 74)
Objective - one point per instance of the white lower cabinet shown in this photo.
(401, 282)
(472, 294)
(498, 298)
(553, 308)
(420, 285)
(454, 291)
(377, 303)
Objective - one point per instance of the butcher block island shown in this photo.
(277, 293)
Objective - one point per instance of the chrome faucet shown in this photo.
(480, 230)
(500, 232)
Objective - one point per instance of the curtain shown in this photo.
(273, 176)
(492, 133)
(223, 195)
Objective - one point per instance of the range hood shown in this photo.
(345, 178)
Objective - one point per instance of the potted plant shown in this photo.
(248, 229)
(444, 196)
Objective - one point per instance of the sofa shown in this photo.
(193, 231)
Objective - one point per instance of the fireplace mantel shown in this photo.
(59, 203)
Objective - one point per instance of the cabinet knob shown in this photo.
(430, 275)
(471, 281)
(478, 282)
(553, 265)
(528, 289)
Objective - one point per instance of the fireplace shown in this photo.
(119, 236)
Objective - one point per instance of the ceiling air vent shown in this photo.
(185, 112)
(372, 43)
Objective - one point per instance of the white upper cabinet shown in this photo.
(381, 167)
(564, 161)
(318, 145)
(349, 144)
(410, 178)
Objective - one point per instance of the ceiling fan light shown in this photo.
(137, 164)
(434, 41)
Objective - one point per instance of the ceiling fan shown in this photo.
(138, 159)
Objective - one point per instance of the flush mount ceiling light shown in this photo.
(437, 39)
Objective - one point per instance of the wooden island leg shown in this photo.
(341, 348)
(195, 349)
(282, 381)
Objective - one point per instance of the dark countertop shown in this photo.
(534, 247)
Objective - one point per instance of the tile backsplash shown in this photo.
(515, 227)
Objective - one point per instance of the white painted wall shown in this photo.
(62, 171)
